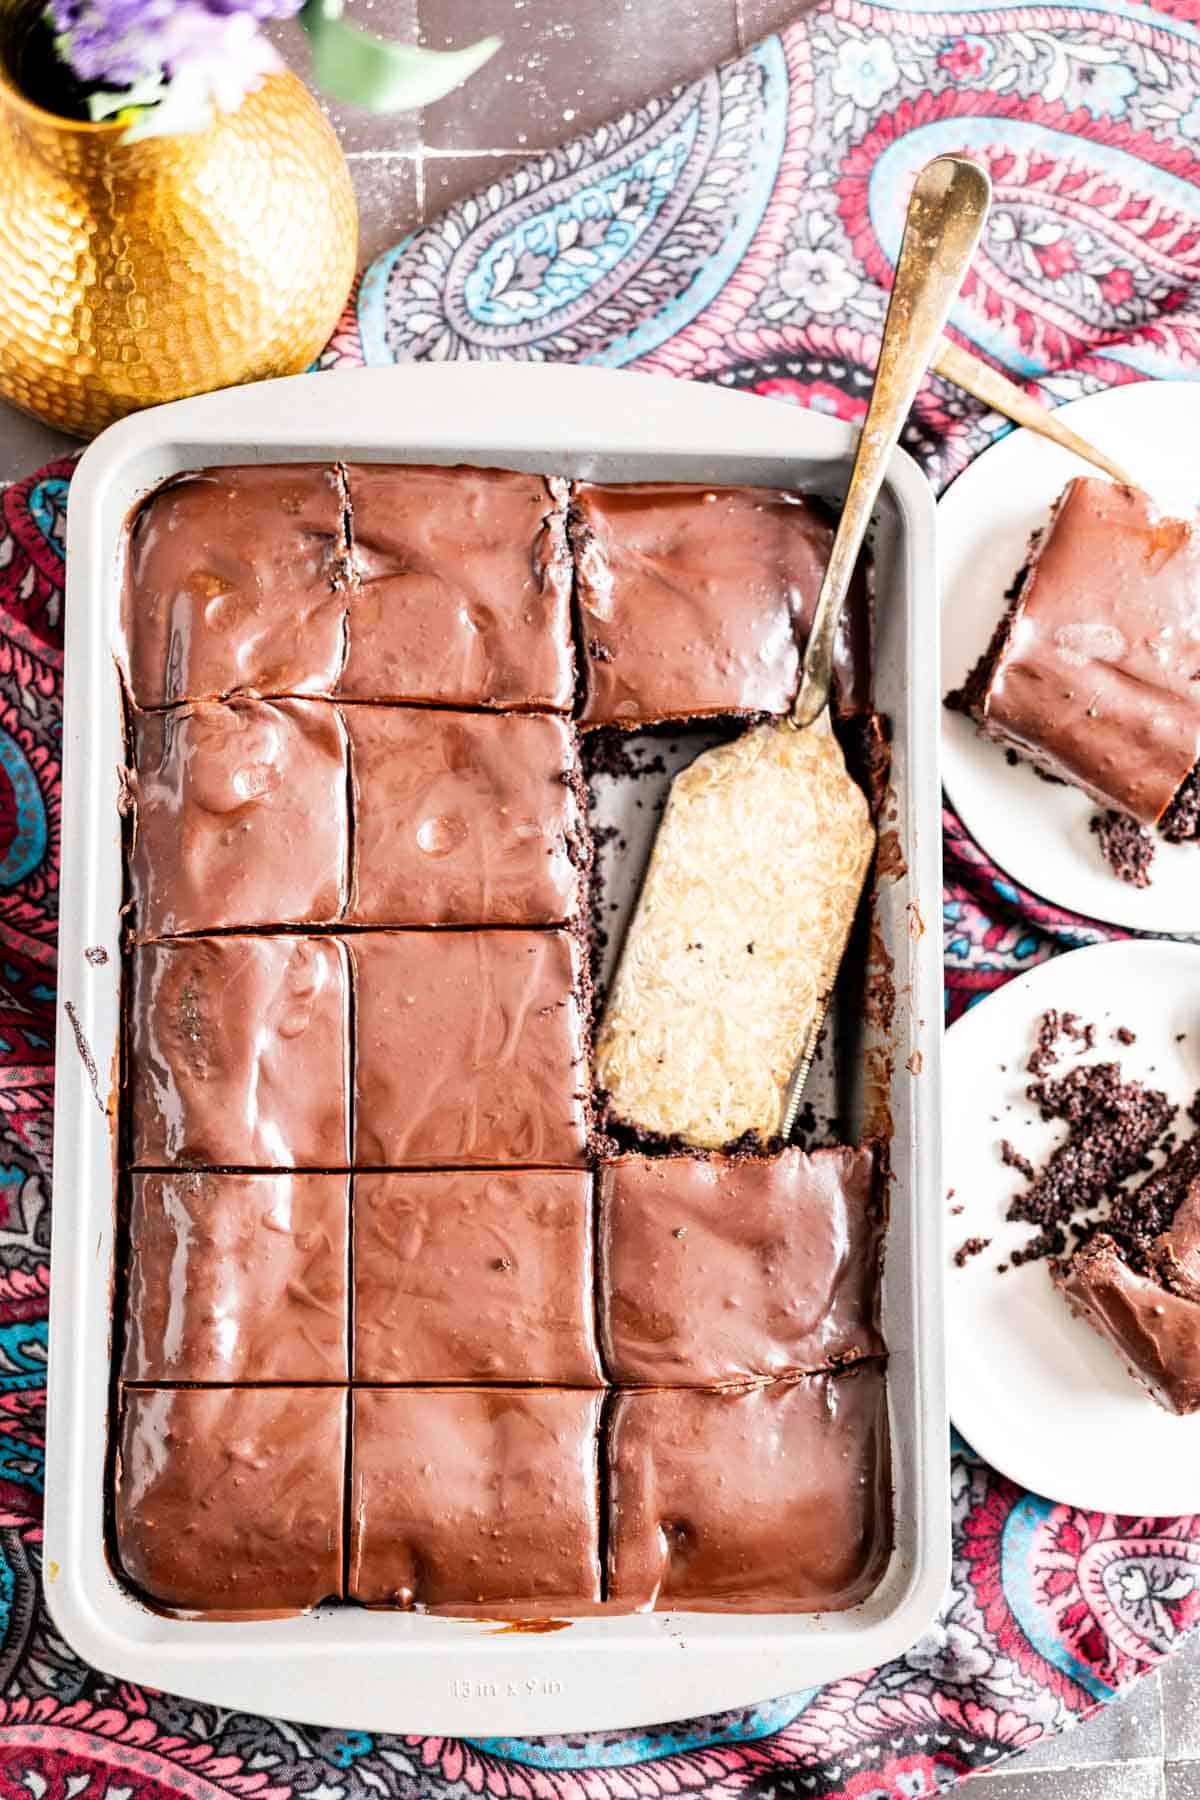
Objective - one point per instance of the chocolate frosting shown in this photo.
(1154, 1328)
(237, 1278)
(723, 1270)
(462, 1499)
(768, 1499)
(463, 588)
(1098, 676)
(463, 818)
(240, 816)
(474, 1276)
(697, 600)
(1180, 1244)
(235, 583)
(471, 1048)
(238, 1053)
(229, 1500)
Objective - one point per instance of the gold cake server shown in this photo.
(759, 862)
(976, 377)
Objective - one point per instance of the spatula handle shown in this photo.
(997, 391)
(945, 218)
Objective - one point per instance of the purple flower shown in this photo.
(216, 43)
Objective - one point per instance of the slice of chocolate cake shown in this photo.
(1151, 1320)
(1093, 673)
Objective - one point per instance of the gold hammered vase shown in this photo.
(136, 273)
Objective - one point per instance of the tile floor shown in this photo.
(566, 66)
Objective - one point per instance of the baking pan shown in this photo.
(342, 1665)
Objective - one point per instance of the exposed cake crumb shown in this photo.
(973, 1246)
(1053, 1027)
(1112, 1126)
(1181, 821)
(1126, 846)
(1011, 1157)
(1123, 1035)
(955, 1210)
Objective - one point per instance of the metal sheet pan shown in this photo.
(344, 1665)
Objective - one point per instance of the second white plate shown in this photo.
(1036, 832)
(1033, 1389)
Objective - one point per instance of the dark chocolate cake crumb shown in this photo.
(1123, 1035)
(1053, 1027)
(1126, 846)
(973, 1246)
(1141, 1214)
(1045, 1050)
(1112, 1126)
(1011, 1157)
(955, 1210)
(1180, 824)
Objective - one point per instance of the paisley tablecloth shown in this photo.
(739, 231)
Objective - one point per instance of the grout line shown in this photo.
(419, 182)
(528, 151)
(739, 26)
(384, 155)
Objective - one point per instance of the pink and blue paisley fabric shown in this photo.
(740, 231)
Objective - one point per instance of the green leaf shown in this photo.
(349, 64)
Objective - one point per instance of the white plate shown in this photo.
(1034, 1390)
(1036, 832)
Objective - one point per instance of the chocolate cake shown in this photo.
(697, 600)
(464, 818)
(475, 1276)
(239, 817)
(470, 1047)
(237, 1278)
(228, 1500)
(462, 588)
(236, 582)
(397, 1327)
(463, 1499)
(720, 1272)
(1093, 674)
(238, 1053)
(761, 1500)
(1153, 1323)
(1123, 1251)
